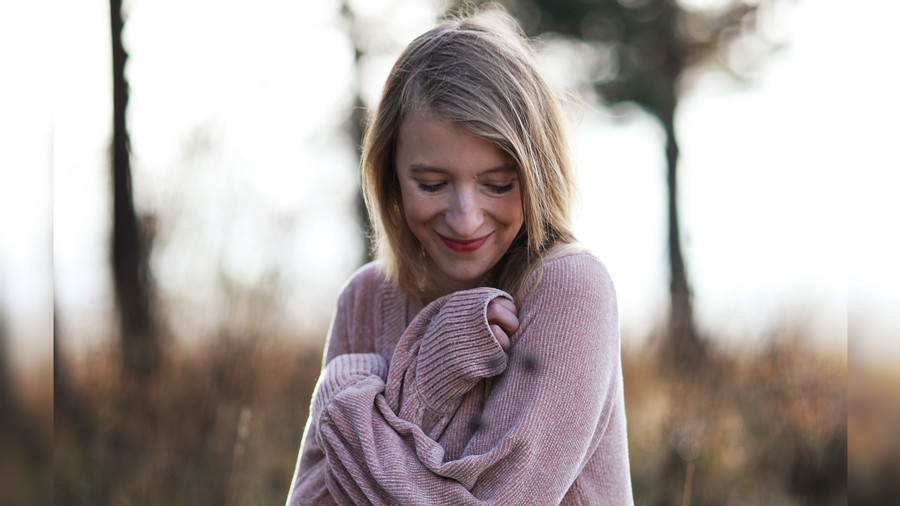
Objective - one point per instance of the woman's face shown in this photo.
(461, 198)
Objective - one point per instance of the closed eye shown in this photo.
(498, 189)
(430, 188)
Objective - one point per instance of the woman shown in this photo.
(477, 361)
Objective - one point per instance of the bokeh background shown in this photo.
(243, 122)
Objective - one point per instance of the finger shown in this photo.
(500, 306)
(506, 303)
(500, 336)
(508, 320)
(503, 317)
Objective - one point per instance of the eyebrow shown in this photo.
(418, 168)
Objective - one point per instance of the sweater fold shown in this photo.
(459, 349)
(437, 412)
(343, 372)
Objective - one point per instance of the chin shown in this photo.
(456, 279)
(467, 278)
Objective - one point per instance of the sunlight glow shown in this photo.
(247, 112)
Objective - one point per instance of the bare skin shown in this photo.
(459, 189)
(502, 316)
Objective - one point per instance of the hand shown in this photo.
(503, 319)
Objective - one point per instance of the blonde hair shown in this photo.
(478, 72)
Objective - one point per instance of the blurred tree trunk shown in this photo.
(682, 345)
(356, 129)
(645, 47)
(138, 338)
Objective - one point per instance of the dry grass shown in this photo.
(221, 425)
(762, 429)
(218, 425)
(873, 445)
(26, 432)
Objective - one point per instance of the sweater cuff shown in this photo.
(344, 371)
(459, 349)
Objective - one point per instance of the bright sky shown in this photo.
(233, 118)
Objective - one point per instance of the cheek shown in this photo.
(416, 209)
(510, 212)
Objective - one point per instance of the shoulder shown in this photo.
(570, 307)
(572, 270)
(367, 278)
(364, 285)
(575, 259)
(357, 312)
(571, 280)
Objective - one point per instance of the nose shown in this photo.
(464, 216)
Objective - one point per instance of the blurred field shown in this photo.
(221, 424)
(873, 470)
(767, 429)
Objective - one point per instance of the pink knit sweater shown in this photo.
(435, 412)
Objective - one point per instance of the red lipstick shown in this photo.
(465, 246)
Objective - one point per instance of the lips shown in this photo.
(465, 246)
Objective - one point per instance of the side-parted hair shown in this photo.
(478, 72)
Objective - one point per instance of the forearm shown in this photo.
(446, 350)
(373, 455)
(558, 404)
(309, 483)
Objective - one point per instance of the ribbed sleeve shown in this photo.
(458, 349)
(347, 371)
(453, 419)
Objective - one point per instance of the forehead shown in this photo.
(428, 143)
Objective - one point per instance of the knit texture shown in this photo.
(435, 412)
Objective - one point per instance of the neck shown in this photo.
(447, 287)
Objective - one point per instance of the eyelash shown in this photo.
(434, 188)
(501, 189)
(430, 188)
